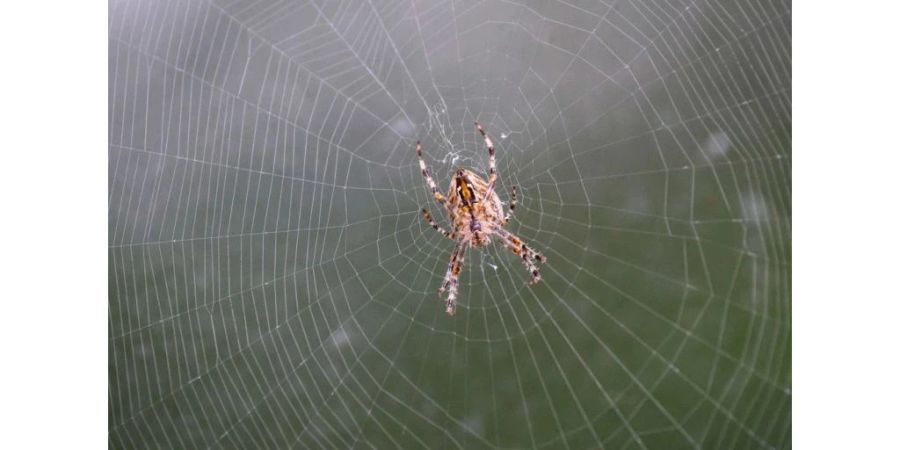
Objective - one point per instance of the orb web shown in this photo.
(272, 283)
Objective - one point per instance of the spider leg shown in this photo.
(507, 236)
(512, 206)
(434, 190)
(492, 161)
(430, 220)
(451, 278)
(520, 249)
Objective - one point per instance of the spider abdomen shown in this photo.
(473, 211)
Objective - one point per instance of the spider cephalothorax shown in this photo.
(476, 215)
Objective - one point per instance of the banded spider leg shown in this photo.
(492, 160)
(451, 278)
(529, 256)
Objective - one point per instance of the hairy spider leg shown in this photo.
(453, 258)
(512, 206)
(520, 249)
(507, 235)
(451, 278)
(492, 161)
(430, 220)
(434, 190)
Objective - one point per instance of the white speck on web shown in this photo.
(340, 338)
(403, 126)
(717, 144)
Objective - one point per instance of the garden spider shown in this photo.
(475, 214)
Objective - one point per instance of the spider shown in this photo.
(476, 215)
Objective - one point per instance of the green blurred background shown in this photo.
(272, 284)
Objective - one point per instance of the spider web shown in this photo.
(272, 283)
